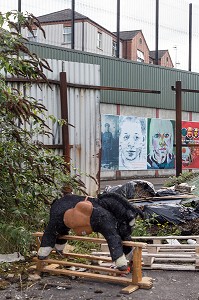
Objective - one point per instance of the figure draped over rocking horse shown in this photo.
(110, 214)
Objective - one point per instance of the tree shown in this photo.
(30, 175)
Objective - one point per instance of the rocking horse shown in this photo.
(110, 214)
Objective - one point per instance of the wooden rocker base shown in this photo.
(96, 272)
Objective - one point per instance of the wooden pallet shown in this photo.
(96, 272)
(161, 256)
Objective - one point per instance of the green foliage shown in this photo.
(85, 247)
(31, 176)
(184, 177)
(150, 227)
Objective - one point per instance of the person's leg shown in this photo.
(48, 241)
(104, 222)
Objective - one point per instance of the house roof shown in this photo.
(66, 15)
(128, 35)
(161, 53)
(61, 16)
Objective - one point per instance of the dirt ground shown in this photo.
(167, 285)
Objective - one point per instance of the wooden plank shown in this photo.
(146, 283)
(93, 240)
(168, 255)
(137, 266)
(130, 289)
(182, 250)
(56, 263)
(178, 237)
(176, 259)
(87, 256)
(170, 267)
(104, 278)
(174, 197)
(182, 246)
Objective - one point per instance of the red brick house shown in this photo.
(164, 58)
(134, 46)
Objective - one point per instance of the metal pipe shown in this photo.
(64, 116)
(178, 128)
(190, 34)
(19, 5)
(156, 31)
(118, 29)
(73, 26)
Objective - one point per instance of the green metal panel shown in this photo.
(130, 74)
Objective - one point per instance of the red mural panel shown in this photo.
(190, 148)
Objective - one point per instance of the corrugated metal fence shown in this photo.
(83, 114)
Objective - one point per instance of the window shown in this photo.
(114, 49)
(32, 36)
(67, 35)
(140, 40)
(140, 56)
(99, 40)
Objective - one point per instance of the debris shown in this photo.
(172, 213)
(133, 189)
(16, 256)
(173, 242)
(34, 277)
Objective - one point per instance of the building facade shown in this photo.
(88, 35)
(92, 37)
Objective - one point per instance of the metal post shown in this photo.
(156, 31)
(118, 29)
(178, 128)
(190, 34)
(73, 26)
(19, 5)
(19, 10)
(64, 115)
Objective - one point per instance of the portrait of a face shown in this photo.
(195, 132)
(161, 141)
(161, 135)
(131, 141)
(189, 132)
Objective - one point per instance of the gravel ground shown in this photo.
(167, 285)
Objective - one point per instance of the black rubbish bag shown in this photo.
(172, 213)
(166, 192)
(132, 189)
(127, 190)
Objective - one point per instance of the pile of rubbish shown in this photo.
(165, 205)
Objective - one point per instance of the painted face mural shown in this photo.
(161, 142)
(131, 140)
(132, 143)
(161, 135)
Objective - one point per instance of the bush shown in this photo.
(31, 176)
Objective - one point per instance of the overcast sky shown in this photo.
(173, 21)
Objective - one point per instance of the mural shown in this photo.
(190, 137)
(160, 144)
(135, 143)
(132, 143)
(110, 142)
